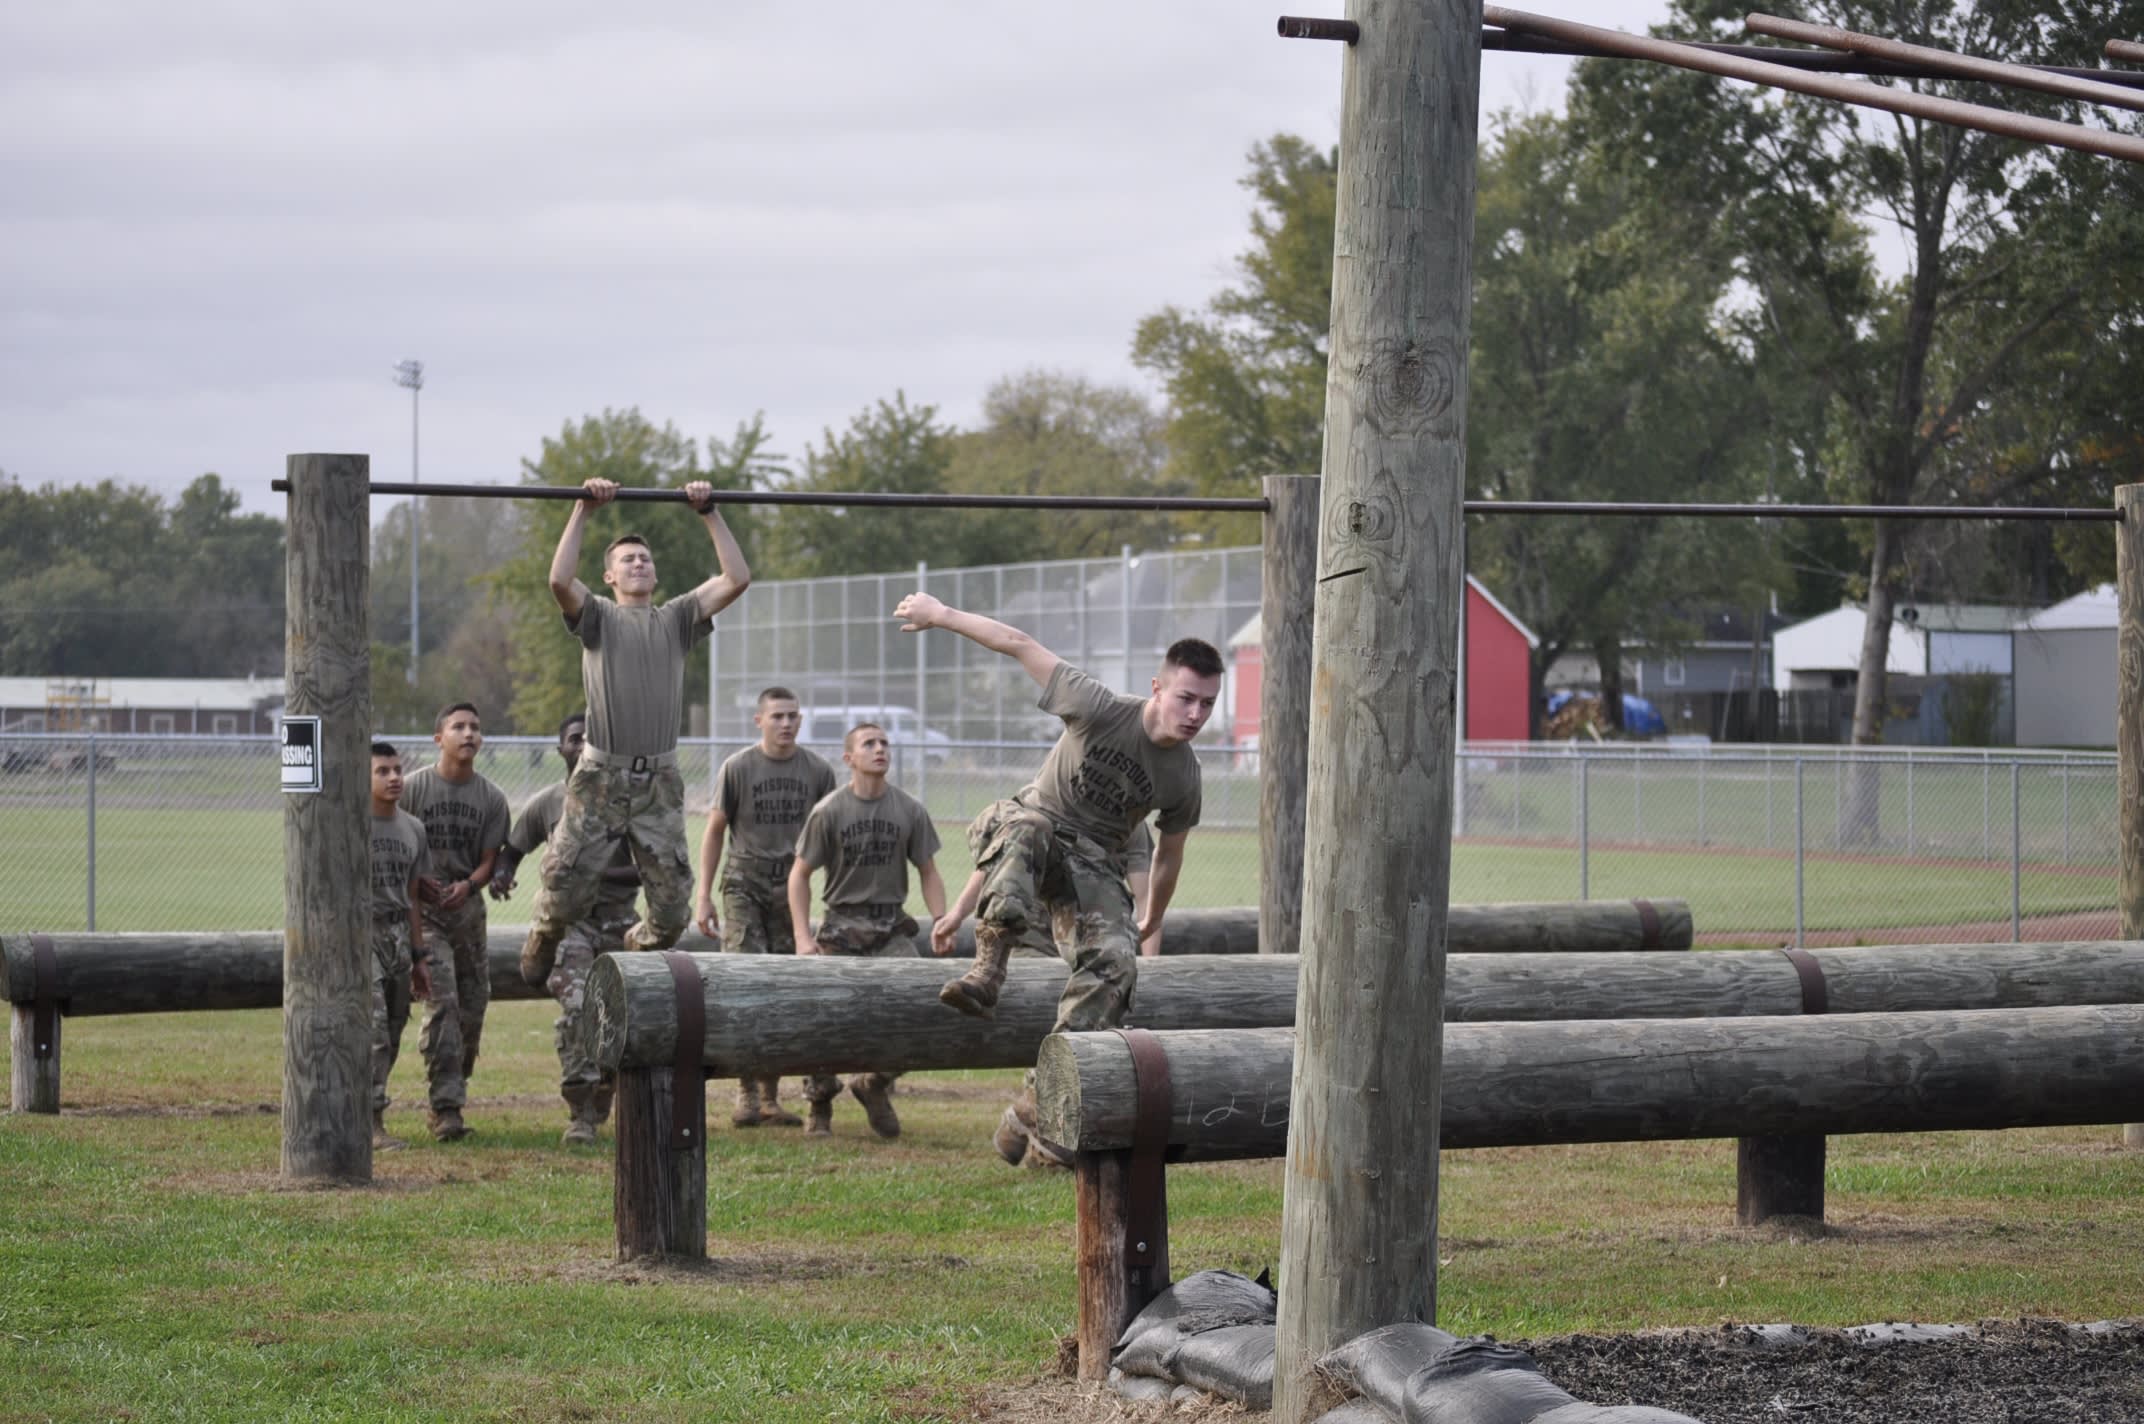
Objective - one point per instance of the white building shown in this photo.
(1927, 640)
(2064, 658)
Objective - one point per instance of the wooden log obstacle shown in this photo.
(1126, 1109)
(85, 975)
(759, 1016)
(175, 972)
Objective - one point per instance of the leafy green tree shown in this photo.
(625, 446)
(1245, 378)
(2015, 256)
(890, 448)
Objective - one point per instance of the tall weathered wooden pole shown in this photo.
(1290, 581)
(327, 843)
(2129, 719)
(1359, 1227)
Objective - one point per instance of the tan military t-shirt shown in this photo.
(766, 800)
(633, 670)
(866, 847)
(1104, 776)
(462, 822)
(399, 851)
(539, 818)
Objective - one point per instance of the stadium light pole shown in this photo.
(411, 374)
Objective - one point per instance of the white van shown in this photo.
(826, 724)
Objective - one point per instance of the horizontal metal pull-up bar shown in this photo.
(1816, 61)
(1156, 504)
(1943, 61)
(1827, 86)
(1530, 508)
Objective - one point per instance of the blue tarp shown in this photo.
(1640, 717)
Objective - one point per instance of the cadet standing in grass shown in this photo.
(580, 1082)
(864, 836)
(465, 820)
(400, 858)
(1118, 761)
(764, 793)
(626, 785)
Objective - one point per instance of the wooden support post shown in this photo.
(327, 840)
(659, 1195)
(1111, 1289)
(33, 1081)
(2129, 720)
(1359, 1223)
(1290, 574)
(1779, 1176)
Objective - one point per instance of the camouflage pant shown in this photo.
(862, 932)
(390, 999)
(607, 803)
(601, 933)
(1038, 874)
(461, 992)
(755, 907)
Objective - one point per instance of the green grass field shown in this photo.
(152, 1266)
(219, 869)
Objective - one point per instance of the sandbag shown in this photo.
(1210, 1300)
(1356, 1411)
(1377, 1363)
(1579, 1413)
(1235, 1362)
(1144, 1388)
(1480, 1396)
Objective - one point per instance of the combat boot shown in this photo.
(447, 1125)
(1045, 1155)
(382, 1140)
(599, 1103)
(771, 1111)
(822, 1120)
(538, 957)
(581, 1131)
(870, 1090)
(976, 992)
(747, 1112)
(1011, 1137)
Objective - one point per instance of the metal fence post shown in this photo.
(1637, 800)
(1585, 826)
(1985, 850)
(1702, 759)
(1838, 802)
(1768, 801)
(923, 682)
(1799, 921)
(1910, 837)
(2065, 809)
(92, 879)
(2017, 847)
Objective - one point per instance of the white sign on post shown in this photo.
(301, 754)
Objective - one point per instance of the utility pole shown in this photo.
(411, 374)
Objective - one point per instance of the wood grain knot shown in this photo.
(1365, 519)
(1411, 387)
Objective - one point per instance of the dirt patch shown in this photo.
(762, 1267)
(240, 1184)
(181, 1110)
(2005, 1372)
(1063, 1401)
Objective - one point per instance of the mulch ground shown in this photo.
(2016, 1372)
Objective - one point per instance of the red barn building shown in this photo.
(1497, 649)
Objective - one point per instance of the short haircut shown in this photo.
(774, 694)
(451, 709)
(609, 548)
(580, 717)
(848, 738)
(380, 749)
(1196, 654)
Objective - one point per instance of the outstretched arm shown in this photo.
(919, 611)
(933, 889)
(947, 925)
(726, 587)
(566, 585)
(703, 907)
(800, 906)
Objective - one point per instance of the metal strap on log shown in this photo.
(1146, 1222)
(44, 996)
(1815, 998)
(688, 1082)
(1648, 924)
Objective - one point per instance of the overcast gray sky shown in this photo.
(223, 222)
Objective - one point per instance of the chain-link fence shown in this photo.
(1769, 844)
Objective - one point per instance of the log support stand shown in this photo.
(34, 1037)
(660, 1192)
(1784, 1175)
(1123, 1216)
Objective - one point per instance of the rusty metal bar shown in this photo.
(1931, 512)
(1299, 27)
(1963, 66)
(1815, 61)
(2127, 51)
(1826, 86)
